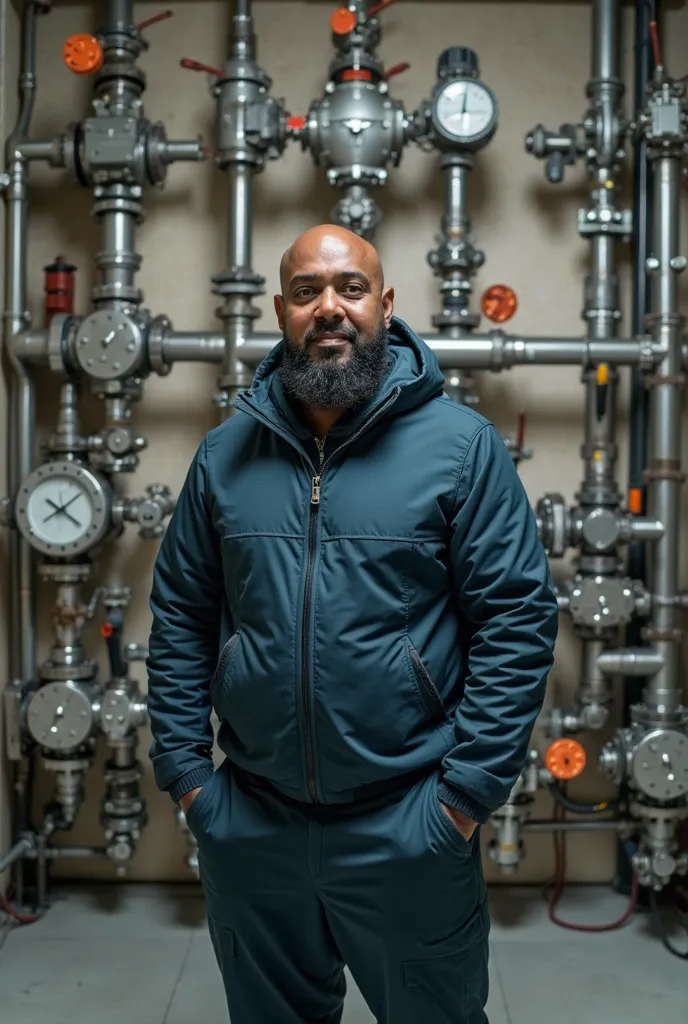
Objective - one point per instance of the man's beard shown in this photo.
(328, 381)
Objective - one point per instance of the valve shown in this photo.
(516, 446)
(83, 54)
(499, 303)
(194, 65)
(602, 382)
(565, 759)
(59, 288)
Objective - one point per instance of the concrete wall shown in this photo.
(536, 58)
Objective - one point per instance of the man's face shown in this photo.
(335, 316)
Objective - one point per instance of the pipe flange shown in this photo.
(69, 572)
(456, 318)
(157, 333)
(642, 715)
(82, 673)
(61, 333)
(109, 345)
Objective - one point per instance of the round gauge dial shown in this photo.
(60, 716)
(465, 110)
(63, 509)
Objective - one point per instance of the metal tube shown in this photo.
(38, 149)
(118, 261)
(640, 661)
(183, 150)
(605, 37)
(239, 215)
(20, 849)
(120, 15)
(664, 489)
(604, 825)
(22, 638)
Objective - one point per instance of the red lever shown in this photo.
(194, 65)
(654, 36)
(296, 123)
(379, 7)
(396, 69)
(155, 19)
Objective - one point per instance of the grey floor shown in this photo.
(141, 955)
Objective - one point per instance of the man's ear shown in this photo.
(279, 311)
(388, 306)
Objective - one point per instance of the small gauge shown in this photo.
(60, 716)
(63, 509)
(465, 111)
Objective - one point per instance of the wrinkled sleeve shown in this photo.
(186, 602)
(507, 606)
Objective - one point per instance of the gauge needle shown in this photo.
(62, 509)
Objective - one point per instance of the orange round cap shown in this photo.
(83, 54)
(342, 21)
(565, 759)
(499, 303)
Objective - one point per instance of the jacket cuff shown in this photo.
(459, 801)
(192, 780)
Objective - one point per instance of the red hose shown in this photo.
(654, 37)
(559, 840)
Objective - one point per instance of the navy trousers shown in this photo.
(293, 892)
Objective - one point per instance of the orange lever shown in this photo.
(194, 65)
(154, 20)
(565, 759)
(83, 54)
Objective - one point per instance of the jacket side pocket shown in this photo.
(221, 666)
(432, 699)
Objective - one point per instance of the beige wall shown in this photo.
(536, 57)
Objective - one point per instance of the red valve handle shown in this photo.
(654, 37)
(396, 69)
(194, 65)
(155, 19)
(296, 122)
(379, 7)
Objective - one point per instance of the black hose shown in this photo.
(660, 929)
(577, 808)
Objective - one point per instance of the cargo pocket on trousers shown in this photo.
(456, 978)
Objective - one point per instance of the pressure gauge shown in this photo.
(63, 509)
(464, 111)
(60, 716)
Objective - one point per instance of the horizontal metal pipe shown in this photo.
(74, 852)
(646, 528)
(183, 150)
(631, 661)
(39, 149)
(604, 825)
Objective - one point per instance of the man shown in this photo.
(353, 579)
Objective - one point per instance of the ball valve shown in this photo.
(356, 130)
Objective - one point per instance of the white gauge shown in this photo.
(63, 509)
(465, 111)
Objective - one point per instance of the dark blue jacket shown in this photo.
(404, 621)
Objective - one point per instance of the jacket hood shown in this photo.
(414, 373)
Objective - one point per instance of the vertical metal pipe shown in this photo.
(605, 39)
(120, 15)
(240, 179)
(22, 389)
(662, 692)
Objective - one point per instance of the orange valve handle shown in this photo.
(296, 122)
(565, 759)
(342, 21)
(83, 54)
(499, 303)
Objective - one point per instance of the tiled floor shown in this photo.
(141, 955)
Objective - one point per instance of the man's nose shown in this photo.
(329, 306)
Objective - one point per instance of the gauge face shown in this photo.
(465, 110)
(59, 510)
(63, 509)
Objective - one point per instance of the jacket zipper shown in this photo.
(312, 525)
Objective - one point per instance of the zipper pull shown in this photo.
(315, 491)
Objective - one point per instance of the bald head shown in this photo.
(335, 242)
